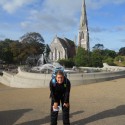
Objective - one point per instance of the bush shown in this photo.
(109, 61)
(68, 63)
(119, 58)
(96, 59)
(82, 57)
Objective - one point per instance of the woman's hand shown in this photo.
(55, 105)
(66, 105)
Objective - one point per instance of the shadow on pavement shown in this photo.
(11, 116)
(46, 119)
(120, 110)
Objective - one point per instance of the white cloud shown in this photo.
(61, 15)
(25, 24)
(12, 5)
(55, 16)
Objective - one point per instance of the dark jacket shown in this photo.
(59, 91)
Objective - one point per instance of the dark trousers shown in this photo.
(54, 114)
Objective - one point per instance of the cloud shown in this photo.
(62, 15)
(54, 16)
(12, 5)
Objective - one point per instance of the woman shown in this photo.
(60, 92)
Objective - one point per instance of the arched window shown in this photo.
(55, 51)
(58, 55)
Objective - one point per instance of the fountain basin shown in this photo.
(25, 79)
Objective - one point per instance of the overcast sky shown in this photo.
(106, 20)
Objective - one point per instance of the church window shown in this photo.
(59, 55)
(55, 54)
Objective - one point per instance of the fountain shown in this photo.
(45, 67)
(44, 64)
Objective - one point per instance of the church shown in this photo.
(64, 48)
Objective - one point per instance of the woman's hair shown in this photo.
(59, 72)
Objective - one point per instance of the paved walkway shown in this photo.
(93, 104)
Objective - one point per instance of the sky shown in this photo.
(106, 20)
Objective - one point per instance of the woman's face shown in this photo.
(59, 79)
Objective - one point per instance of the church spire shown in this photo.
(83, 20)
(83, 36)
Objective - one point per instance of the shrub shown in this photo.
(68, 63)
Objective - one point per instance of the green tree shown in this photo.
(109, 61)
(109, 53)
(82, 57)
(16, 49)
(17, 52)
(96, 58)
(31, 38)
(119, 58)
(32, 45)
(122, 51)
(5, 52)
(98, 47)
(68, 63)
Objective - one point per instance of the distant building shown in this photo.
(83, 35)
(62, 48)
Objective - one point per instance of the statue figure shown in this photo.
(44, 58)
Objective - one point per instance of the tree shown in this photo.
(30, 50)
(31, 38)
(109, 61)
(32, 44)
(119, 58)
(109, 53)
(82, 57)
(12, 51)
(16, 50)
(122, 51)
(98, 47)
(96, 58)
(5, 52)
(69, 63)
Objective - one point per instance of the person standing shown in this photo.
(60, 93)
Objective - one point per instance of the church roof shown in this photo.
(66, 43)
(63, 42)
(70, 42)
